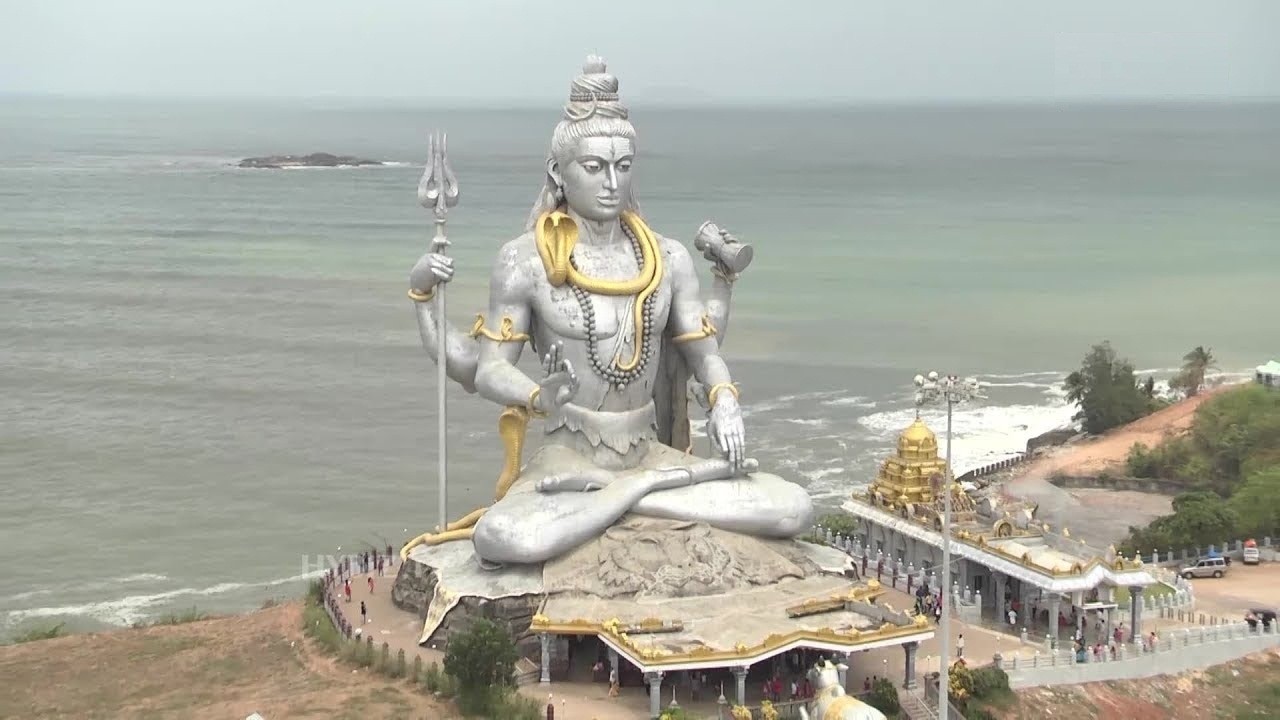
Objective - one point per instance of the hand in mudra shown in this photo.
(432, 268)
(559, 383)
(727, 430)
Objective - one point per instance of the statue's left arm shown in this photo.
(691, 331)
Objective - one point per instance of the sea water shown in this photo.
(210, 378)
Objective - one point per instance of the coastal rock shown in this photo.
(278, 162)
(1053, 438)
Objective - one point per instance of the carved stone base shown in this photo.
(639, 561)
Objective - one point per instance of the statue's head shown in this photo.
(592, 149)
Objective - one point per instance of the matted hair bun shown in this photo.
(594, 92)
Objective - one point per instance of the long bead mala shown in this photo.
(610, 371)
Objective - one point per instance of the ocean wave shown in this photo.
(980, 434)
(856, 401)
(1015, 376)
(807, 422)
(1024, 384)
(91, 585)
(137, 608)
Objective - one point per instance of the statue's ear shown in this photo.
(553, 171)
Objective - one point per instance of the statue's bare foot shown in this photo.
(585, 480)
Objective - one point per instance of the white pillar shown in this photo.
(546, 657)
(1055, 607)
(740, 678)
(655, 694)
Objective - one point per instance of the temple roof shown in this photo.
(824, 613)
(918, 442)
(1026, 555)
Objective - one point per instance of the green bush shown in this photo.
(989, 681)
(505, 703)
(978, 713)
(839, 523)
(884, 697)
(480, 659)
(43, 632)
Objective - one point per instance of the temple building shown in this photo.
(1002, 558)
(653, 602)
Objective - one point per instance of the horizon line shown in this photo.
(796, 104)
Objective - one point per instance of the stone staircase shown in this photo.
(914, 706)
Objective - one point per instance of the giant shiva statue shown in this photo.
(615, 314)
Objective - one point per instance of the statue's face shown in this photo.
(597, 179)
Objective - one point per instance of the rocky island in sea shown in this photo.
(279, 162)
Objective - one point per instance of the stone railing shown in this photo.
(991, 468)
(1234, 550)
(1179, 651)
(931, 696)
(1154, 486)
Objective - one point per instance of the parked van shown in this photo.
(1206, 567)
(1251, 555)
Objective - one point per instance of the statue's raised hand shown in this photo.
(432, 268)
(727, 430)
(559, 383)
(718, 245)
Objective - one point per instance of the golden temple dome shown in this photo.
(918, 442)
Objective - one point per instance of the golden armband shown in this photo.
(732, 388)
(506, 330)
(419, 296)
(707, 330)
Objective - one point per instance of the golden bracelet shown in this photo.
(707, 330)
(715, 391)
(532, 405)
(418, 296)
(506, 330)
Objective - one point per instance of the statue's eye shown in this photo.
(624, 166)
(591, 166)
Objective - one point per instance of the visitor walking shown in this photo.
(364, 614)
(960, 646)
(370, 584)
(346, 588)
(1013, 617)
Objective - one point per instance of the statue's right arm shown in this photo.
(434, 270)
(461, 351)
(510, 296)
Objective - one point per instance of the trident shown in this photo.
(438, 191)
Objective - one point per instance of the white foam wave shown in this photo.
(856, 401)
(91, 585)
(1015, 376)
(136, 608)
(807, 422)
(985, 384)
(980, 434)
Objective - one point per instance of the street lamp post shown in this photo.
(950, 390)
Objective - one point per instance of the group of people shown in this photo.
(368, 563)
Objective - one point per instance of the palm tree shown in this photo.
(1195, 365)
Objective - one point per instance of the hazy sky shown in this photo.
(674, 50)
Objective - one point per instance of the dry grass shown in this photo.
(217, 668)
(1247, 689)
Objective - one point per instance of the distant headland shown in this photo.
(279, 162)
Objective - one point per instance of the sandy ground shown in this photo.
(1101, 516)
(1243, 690)
(1244, 587)
(262, 662)
(218, 668)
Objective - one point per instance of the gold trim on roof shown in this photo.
(650, 654)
